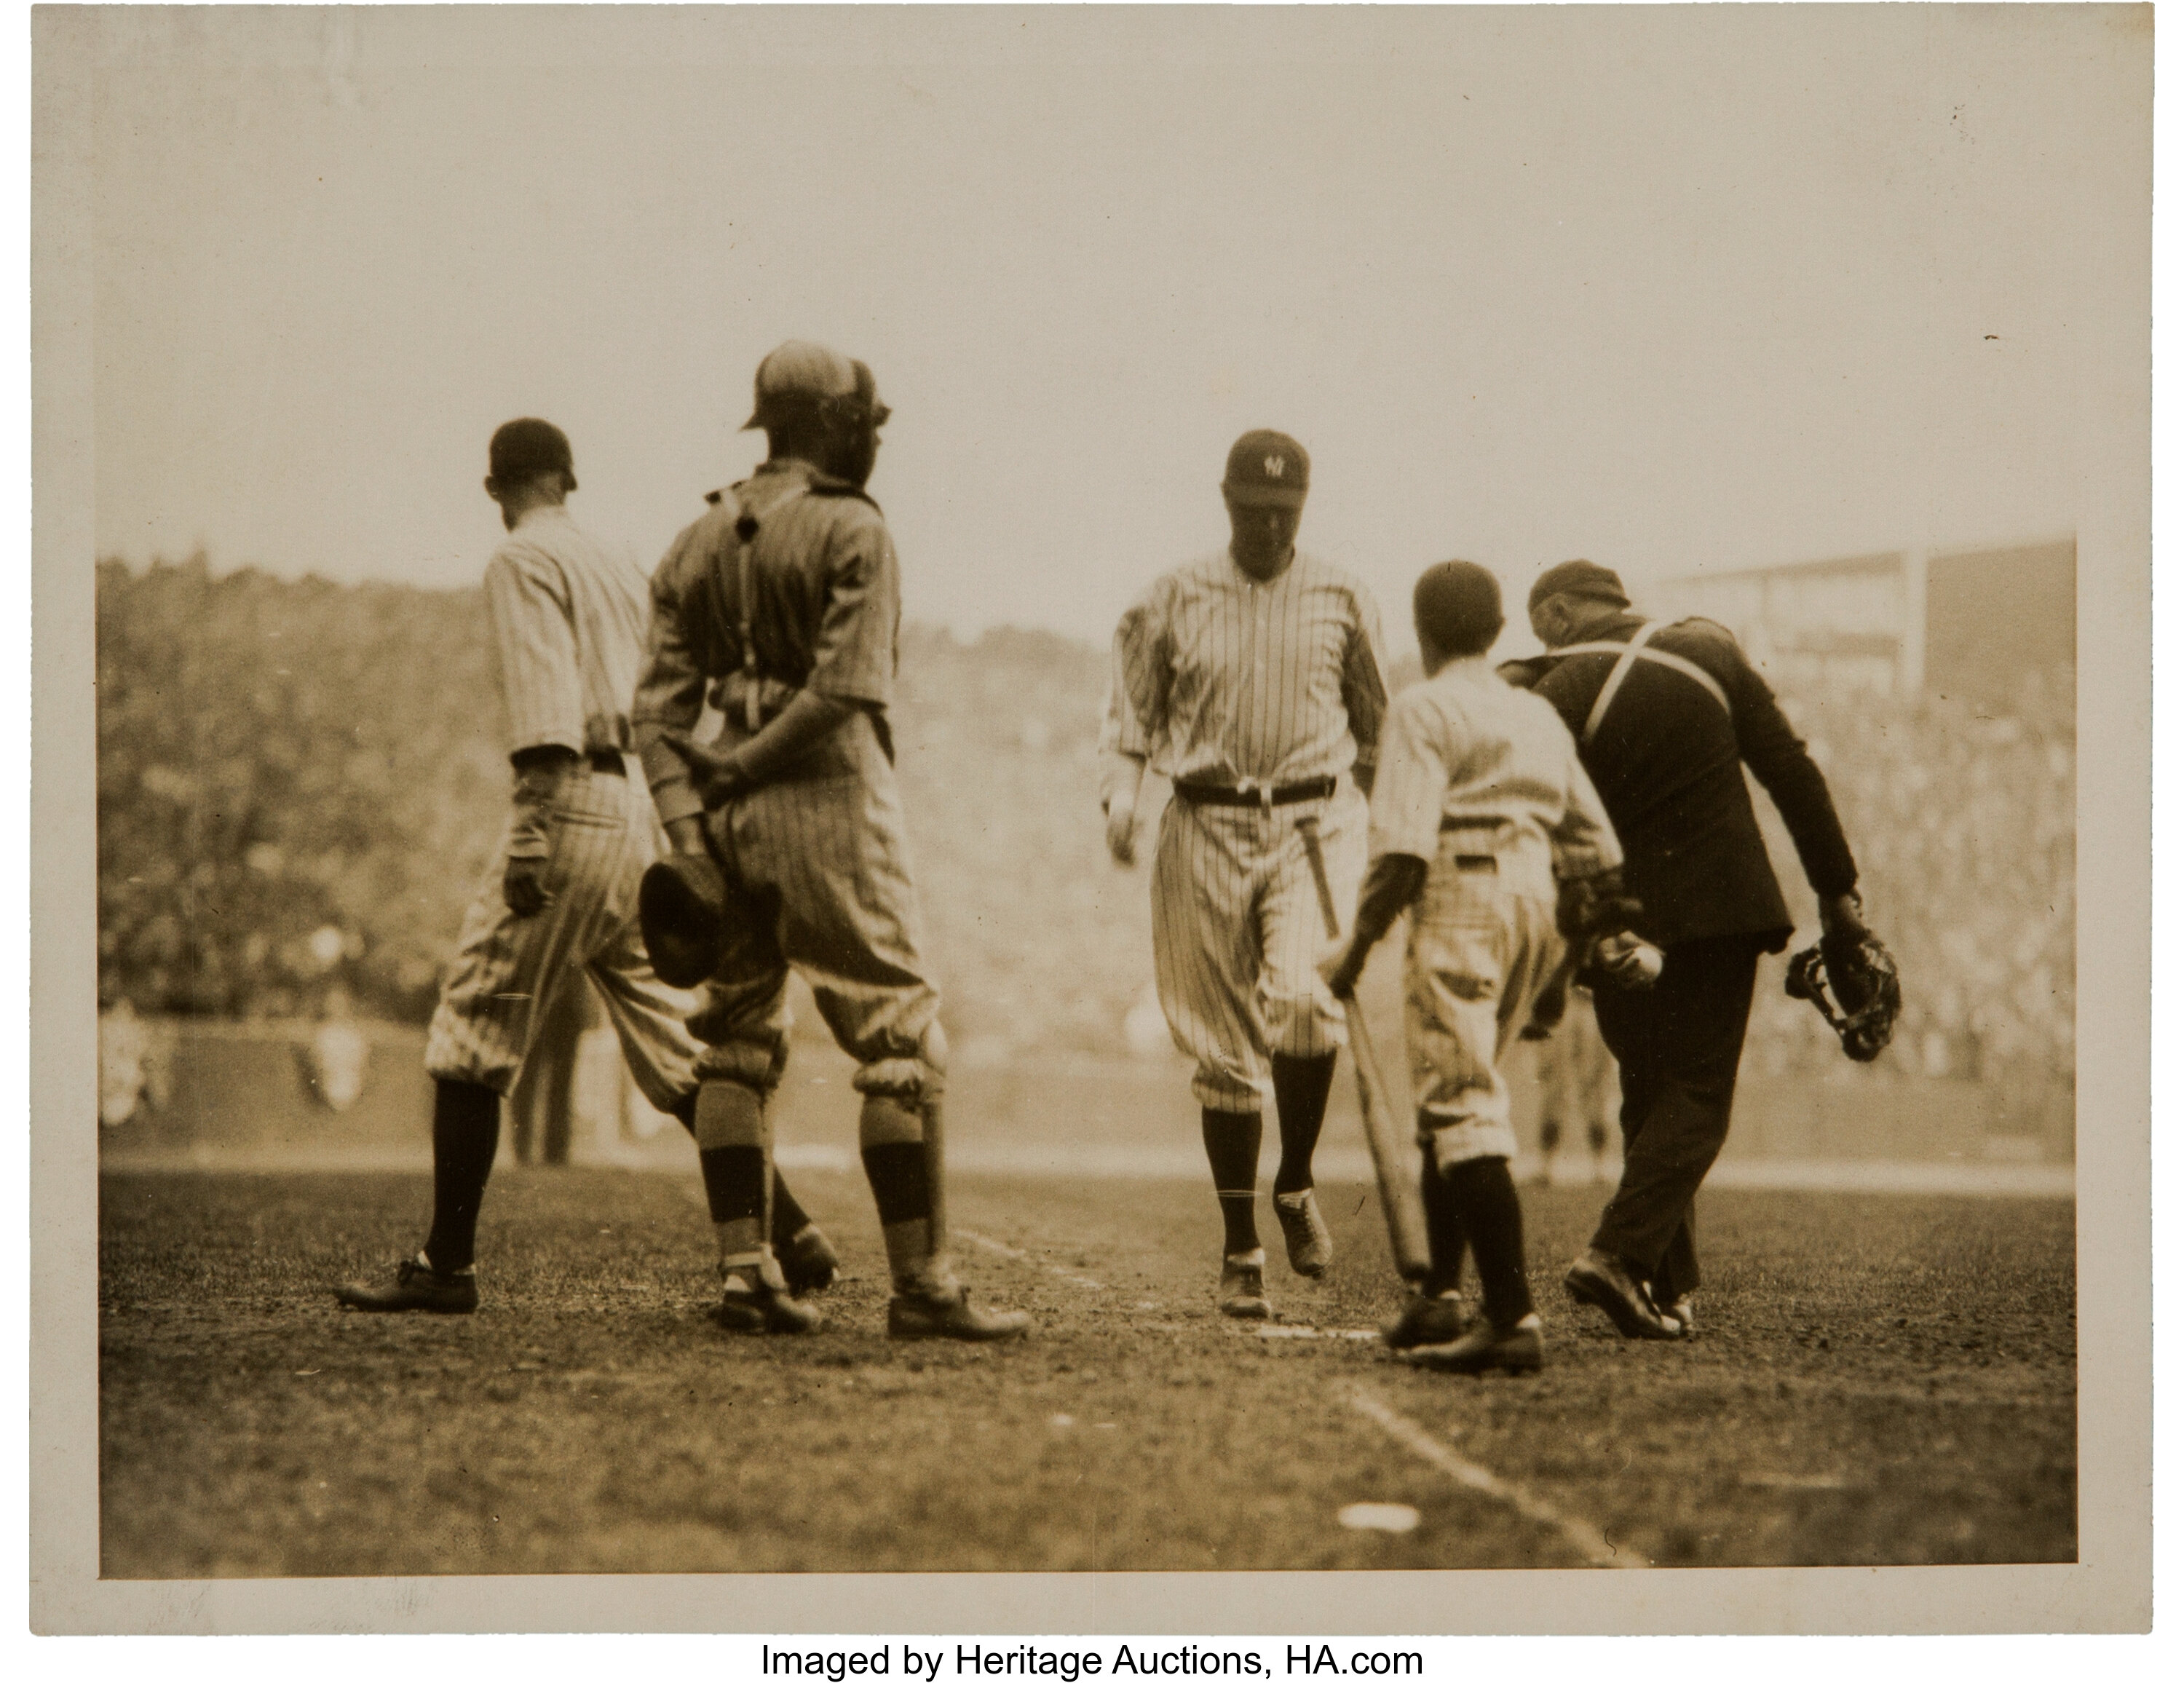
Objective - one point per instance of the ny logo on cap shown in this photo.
(1275, 466)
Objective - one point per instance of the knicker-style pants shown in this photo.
(1237, 936)
(604, 834)
(818, 878)
(1482, 944)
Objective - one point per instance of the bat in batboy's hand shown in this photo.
(1392, 1166)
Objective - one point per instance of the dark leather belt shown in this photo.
(1469, 822)
(1477, 862)
(1251, 793)
(612, 764)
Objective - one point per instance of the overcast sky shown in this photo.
(1712, 287)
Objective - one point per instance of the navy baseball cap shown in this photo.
(525, 447)
(1587, 579)
(1267, 468)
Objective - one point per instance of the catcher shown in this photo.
(788, 839)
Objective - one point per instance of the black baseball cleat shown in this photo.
(1426, 1320)
(947, 1313)
(754, 1306)
(1520, 1349)
(1242, 1291)
(417, 1286)
(1311, 1245)
(1603, 1281)
(808, 1262)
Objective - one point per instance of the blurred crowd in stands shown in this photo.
(1964, 822)
(300, 785)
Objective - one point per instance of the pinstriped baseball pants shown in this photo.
(1237, 933)
(818, 879)
(604, 835)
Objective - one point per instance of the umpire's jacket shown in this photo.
(1667, 758)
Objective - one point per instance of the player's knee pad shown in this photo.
(731, 1113)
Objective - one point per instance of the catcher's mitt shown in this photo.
(681, 905)
(1867, 995)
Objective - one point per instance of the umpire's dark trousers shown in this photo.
(1676, 1046)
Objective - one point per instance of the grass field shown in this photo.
(1879, 1380)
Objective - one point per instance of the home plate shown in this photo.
(1318, 1332)
(1380, 1516)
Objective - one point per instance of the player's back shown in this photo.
(598, 592)
(1507, 762)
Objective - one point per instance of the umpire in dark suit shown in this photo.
(1667, 717)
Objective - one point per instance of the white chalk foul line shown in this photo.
(1025, 1256)
(1586, 1539)
(1354, 1333)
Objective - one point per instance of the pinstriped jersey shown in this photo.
(567, 614)
(1463, 747)
(1219, 677)
(825, 614)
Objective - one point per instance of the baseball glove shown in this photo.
(1867, 997)
(681, 909)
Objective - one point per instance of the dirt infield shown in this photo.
(1879, 1380)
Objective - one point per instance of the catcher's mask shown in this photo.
(682, 905)
(1867, 996)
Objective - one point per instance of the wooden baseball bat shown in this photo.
(1394, 1168)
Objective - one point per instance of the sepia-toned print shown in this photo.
(1082, 791)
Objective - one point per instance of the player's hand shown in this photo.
(716, 772)
(1122, 831)
(1547, 1009)
(1628, 961)
(1340, 967)
(1842, 918)
(523, 886)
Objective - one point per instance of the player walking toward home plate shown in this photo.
(1486, 828)
(1251, 677)
(567, 614)
(788, 839)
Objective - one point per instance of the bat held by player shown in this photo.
(1400, 1204)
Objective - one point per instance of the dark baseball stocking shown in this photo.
(1445, 1234)
(466, 1134)
(1232, 1150)
(1300, 1089)
(1485, 1200)
(790, 1216)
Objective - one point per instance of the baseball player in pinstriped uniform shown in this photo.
(787, 832)
(1487, 830)
(1251, 677)
(567, 614)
